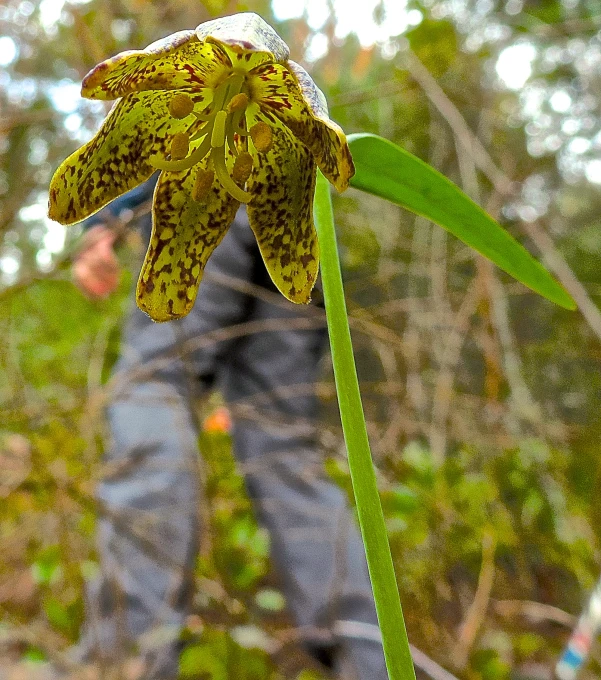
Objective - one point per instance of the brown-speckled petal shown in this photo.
(116, 159)
(178, 61)
(184, 233)
(294, 99)
(280, 212)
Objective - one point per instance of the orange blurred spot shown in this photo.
(362, 62)
(218, 421)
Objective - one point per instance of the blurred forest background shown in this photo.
(482, 399)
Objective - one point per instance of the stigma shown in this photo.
(220, 126)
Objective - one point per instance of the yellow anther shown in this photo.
(237, 103)
(262, 137)
(181, 106)
(202, 184)
(221, 172)
(180, 146)
(243, 166)
(218, 134)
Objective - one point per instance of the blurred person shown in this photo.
(148, 530)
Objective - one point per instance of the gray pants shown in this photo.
(264, 356)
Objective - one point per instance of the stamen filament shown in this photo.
(220, 96)
(237, 118)
(235, 127)
(174, 166)
(204, 130)
(203, 116)
(231, 141)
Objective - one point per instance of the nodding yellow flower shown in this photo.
(227, 118)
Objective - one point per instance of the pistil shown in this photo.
(220, 124)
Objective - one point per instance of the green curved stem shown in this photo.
(369, 509)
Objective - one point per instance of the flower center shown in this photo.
(222, 123)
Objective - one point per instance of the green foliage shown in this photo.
(388, 171)
(218, 657)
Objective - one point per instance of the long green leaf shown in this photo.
(388, 171)
(369, 509)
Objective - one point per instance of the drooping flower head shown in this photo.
(227, 118)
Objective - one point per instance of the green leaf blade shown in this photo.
(388, 171)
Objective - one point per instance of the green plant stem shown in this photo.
(369, 509)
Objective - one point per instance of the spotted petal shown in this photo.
(184, 233)
(116, 159)
(245, 33)
(293, 97)
(280, 212)
(178, 61)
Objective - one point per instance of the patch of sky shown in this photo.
(65, 96)
(356, 17)
(8, 50)
(54, 239)
(26, 8)
(532, 98)
(50, 13)
(10, 263)
(43, 231)
(38, 151)
(360, 20)
(534, 200)
(20, 92)
(514, 65)
(560, 101)
(43, 259)
(513, 7)
(535, 147)
(593, 171)
(288, 9)
(571, 126)
(121, 29)
(553, 143)
(33, 212)
(317, 47)
(579, 145)
(317, 14)
(73, 122)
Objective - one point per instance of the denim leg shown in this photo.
(316, 546)
(148, 529)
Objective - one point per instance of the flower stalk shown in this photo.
(369, 508)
